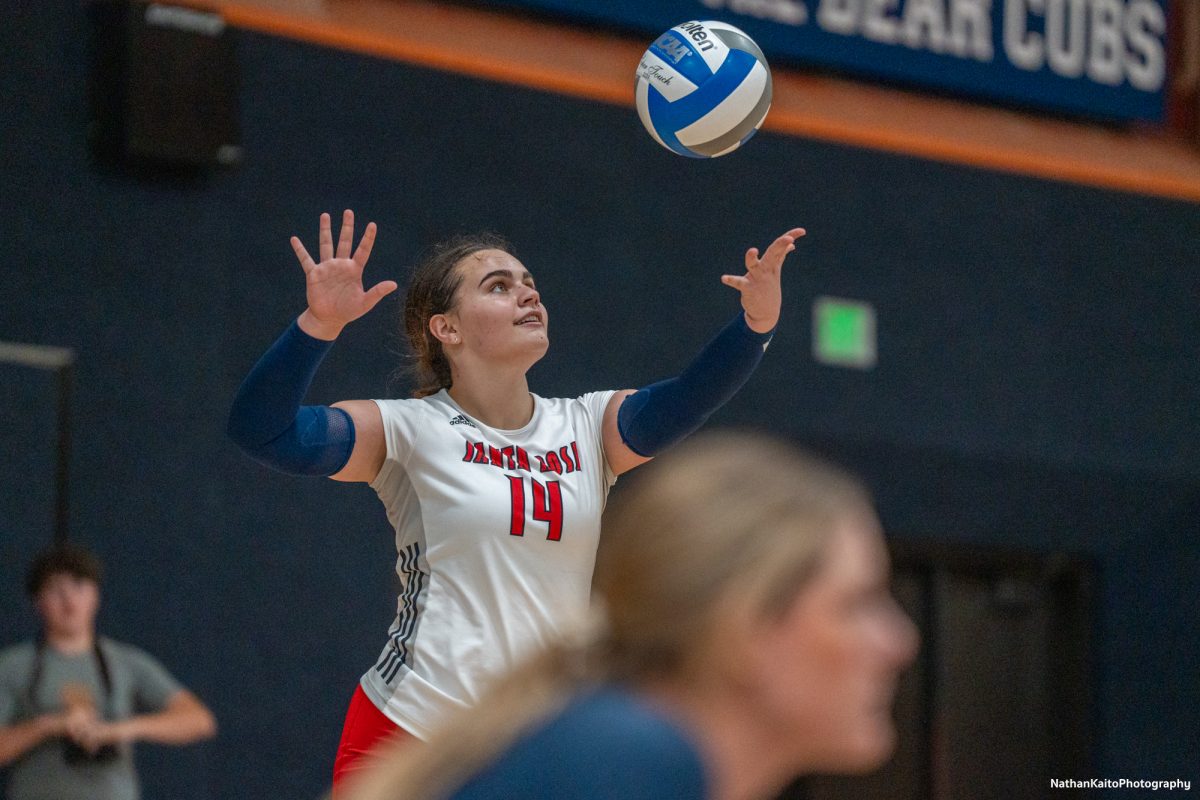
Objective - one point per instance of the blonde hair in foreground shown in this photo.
(724, 525)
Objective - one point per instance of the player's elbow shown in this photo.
(206, 726)
(199, 722)
(188, 719)
(243, 429)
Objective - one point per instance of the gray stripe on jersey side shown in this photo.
(389, 650)
(409, 625)
(392, 650)
(407, 562)
(390, 653)
(407, 621)
(402, 629)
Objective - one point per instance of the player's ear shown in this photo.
(444, 330)
(748, 657)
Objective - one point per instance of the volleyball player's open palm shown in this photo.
(336, 296)
(760, 286)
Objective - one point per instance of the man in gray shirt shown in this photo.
(72, 703)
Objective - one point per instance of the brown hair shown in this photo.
(431, 290)
(724, 522)
(64, 557)
(721, 526)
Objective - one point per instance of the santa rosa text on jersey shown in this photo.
(564, 460)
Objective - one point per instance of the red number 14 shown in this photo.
(547, 506)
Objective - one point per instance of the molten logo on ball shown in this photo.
(703, 89)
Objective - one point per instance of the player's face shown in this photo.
(828, 668)
(68, 604)
(498, 311)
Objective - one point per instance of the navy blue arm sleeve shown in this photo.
(268, 423)
(661, 414)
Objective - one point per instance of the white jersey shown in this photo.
(496, 533)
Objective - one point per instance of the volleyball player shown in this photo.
(749, 637)
(494, 492)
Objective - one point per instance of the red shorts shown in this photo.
(365, 728)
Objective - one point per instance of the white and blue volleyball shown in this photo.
(703, 89)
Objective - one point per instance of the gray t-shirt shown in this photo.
(140, 685)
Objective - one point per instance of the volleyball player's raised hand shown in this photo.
(336, 296)
(760, 287)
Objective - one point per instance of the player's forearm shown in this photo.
(188, 722)
(268, 422)
(657, 416)
(16, 740)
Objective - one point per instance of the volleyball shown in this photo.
(703, 89)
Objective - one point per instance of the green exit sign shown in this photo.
(844, 333)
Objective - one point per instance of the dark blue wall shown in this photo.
(1039, 358)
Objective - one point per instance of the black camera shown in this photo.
(76, 755)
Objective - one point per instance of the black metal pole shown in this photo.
(60, 361)
(62, 499)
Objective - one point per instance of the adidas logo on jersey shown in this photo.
(461, 420)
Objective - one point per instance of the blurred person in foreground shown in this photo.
(72, 703)
(749, 636)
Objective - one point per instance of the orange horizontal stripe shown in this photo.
(436, 52)
(573, 60)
